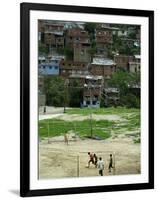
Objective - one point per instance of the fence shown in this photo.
(55, 131)
(77, 129)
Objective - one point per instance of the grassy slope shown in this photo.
(101, 128)
(102, 111)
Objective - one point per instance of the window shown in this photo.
(56, 67)
(94, 102)
(83, 32)
(82, 51)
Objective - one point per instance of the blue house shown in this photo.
(51, 67)
(48, 69)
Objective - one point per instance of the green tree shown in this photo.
(122, 45)
(54, 90)
(125, 82)
(68, 53)
(92, 52)
(42, 49)
(90, 27)
(75, 93)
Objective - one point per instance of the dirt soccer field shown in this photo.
(58, 160)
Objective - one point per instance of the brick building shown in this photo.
(41, 29)
(81, 52)
(78, 40)
(134, 66)
(76, 35)
(92, 89)
(104, 37)
(102, 67)
(49, 26)
(68, 68)
(54, 35)
(122, 61)
(91, 84)
(111, 96)
(54, 39)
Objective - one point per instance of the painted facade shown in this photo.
(51, 67)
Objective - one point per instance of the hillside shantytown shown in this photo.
(84, 64)
(89, 99)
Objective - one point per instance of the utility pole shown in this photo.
(114, 169)
(64, 99)
(78, 166)
(65, 93)
(48, 131)
(91, 111)
(50, 46)
(89, 87)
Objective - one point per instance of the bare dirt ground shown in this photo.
(76, 117)
(60, 160)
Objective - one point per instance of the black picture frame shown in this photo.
(25, 9)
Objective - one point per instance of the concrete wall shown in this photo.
(102, 70)
(81, 53)
(49, 68)
(41, 100)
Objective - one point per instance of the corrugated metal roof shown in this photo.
(60, 33)
(57, 57)
(90, 77)
(41, 58)
(137, 56)
(114, 90)
(103, 61)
